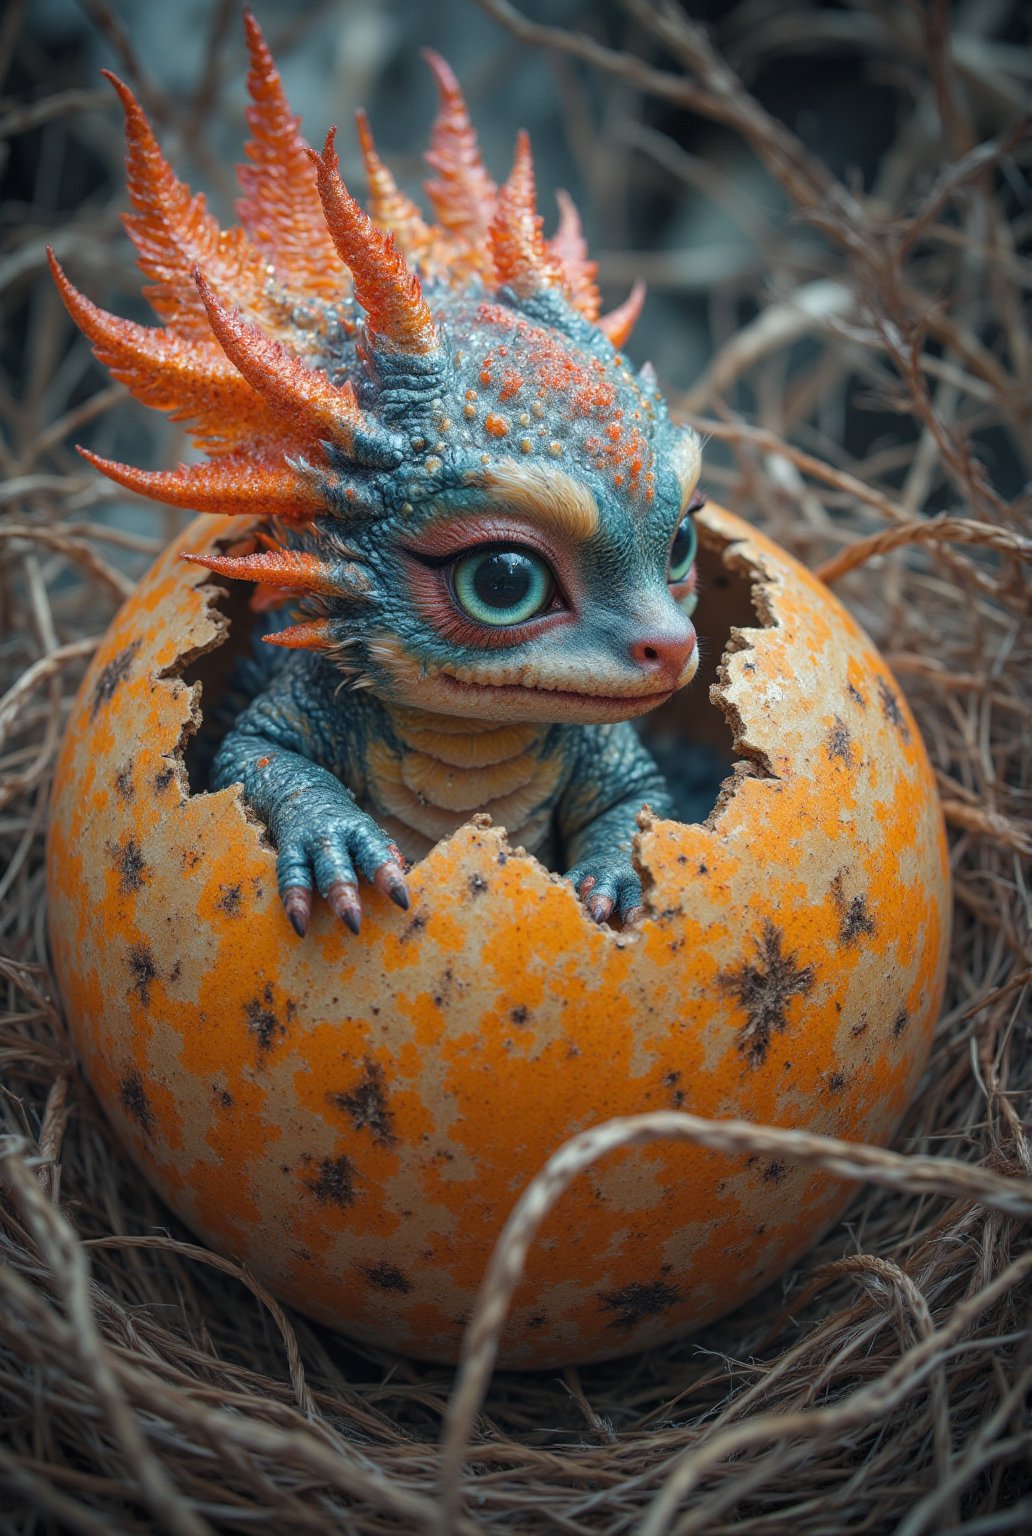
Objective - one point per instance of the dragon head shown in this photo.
(479, 507)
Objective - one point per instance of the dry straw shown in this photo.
(148, 1385)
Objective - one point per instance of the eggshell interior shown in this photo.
(355, 1117)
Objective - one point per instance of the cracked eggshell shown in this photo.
(354, 1118)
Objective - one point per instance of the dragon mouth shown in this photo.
(614, 705)
(562, 695)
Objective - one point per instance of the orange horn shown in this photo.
(620, 322)
(173, 232)
(570, 249)
(312, 636)
(234, 484)
(464, 197)
(191, 379)
(293, 568)
(522, 260)
(388, 205)
(397, 313)
(280, 207)
(300, 395)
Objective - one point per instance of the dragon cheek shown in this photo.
(397, 668)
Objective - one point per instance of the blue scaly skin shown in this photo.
(504, 615)
(482, 512)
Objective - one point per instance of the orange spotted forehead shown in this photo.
(541, 395)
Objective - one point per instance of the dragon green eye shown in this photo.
(502, 586)
(683, 549)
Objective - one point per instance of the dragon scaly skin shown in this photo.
(481, 513)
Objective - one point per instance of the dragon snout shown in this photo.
(665, 654)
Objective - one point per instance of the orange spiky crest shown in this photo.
(302, 397)
(280, 207)
(281, 574)
(388, 206)
(298, 570)
(192, 380)
(173, 233)
(236, 483)
(314, 635)
(464, 196)
(261, 325)
(570, 249)
(397, 315)
(620, 322)
(522, 260)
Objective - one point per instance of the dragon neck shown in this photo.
(440, 768)
(459, 741)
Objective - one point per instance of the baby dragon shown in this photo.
(483, 514)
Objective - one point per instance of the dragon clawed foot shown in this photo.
(609, 887)
(331, 862)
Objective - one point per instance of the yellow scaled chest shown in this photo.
(425, 785)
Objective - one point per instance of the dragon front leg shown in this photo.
(324, 841)
(597, 818)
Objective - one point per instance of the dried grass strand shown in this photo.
(865, 1405)
(68, 1265)
(917, 1175)
(938, 530)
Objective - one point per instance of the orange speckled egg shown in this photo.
(355, 1117)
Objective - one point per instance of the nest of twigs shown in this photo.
(868, 402)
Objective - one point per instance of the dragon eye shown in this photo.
(683, 549)
(502, 586)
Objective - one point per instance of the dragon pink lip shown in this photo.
(633, 700)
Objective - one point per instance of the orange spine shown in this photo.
(522, 261)
(236, 483)
(389, 208)
(292, 568)
(569, 248)
(390, 294)
(463, 197)
(312, 636)
(173, 233)
(620, 322)
(190, 379)
(280, 206)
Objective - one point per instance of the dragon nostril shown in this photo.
(662, 652)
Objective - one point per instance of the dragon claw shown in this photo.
(327, 845)
(297, 903)
(343, 901)
(389, 880)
